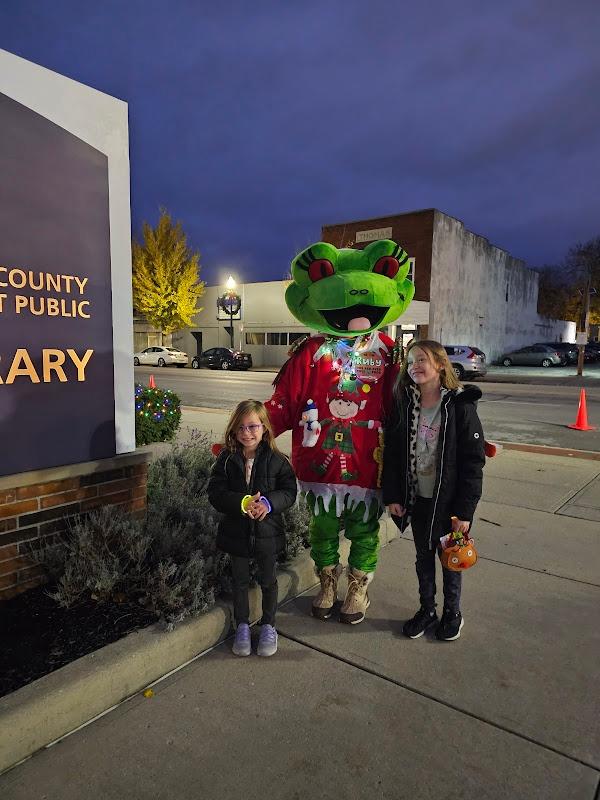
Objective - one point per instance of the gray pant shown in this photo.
(267, 576)
(425, 562)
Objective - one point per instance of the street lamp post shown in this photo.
(230, 302)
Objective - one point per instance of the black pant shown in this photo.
(425, 562)
(267, 576)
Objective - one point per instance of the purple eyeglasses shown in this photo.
(250, 428)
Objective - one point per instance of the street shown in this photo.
(510, 412)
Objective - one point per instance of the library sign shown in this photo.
(65, 386)
(38, 305)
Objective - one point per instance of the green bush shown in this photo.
(106, 554)
(169, 561)
(157, 414)
(296, 529)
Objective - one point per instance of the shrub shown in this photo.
(296, 529)
(169, 561)
(157, 415)
(105, 555)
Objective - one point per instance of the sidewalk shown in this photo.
(509, 711)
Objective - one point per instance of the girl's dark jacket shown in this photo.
(272, 476)
(460, 458)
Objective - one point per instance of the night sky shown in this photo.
(254, 123)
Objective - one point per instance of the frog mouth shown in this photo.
(340, 318)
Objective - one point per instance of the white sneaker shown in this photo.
(267, 642)
(241, 645)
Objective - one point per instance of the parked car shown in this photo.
(222, 358)
(466, 360)
(591, 353)
(160, 357)
(536, 355)
(567, 350)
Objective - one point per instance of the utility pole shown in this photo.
(584, 323)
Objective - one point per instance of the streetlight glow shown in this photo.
(230, 302)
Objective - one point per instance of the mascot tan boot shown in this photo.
(357, 601)
(323, 603)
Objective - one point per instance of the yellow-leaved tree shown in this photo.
(166, 283)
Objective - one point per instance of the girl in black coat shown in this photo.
(432, 472)
(252, 483)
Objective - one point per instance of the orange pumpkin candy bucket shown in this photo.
(458, 552)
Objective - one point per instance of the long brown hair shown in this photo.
(241, 410)
(438, 357)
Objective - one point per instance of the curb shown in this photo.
(546, 450)
(39, 714)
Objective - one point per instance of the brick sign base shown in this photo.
(36, 505)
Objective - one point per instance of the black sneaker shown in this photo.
(423, 619)
(449, 628)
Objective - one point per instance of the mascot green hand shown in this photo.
(333, 394)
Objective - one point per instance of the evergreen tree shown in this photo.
(166, 284)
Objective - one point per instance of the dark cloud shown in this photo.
(256, 124)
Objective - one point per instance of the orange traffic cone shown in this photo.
(581, 423)
(151, 382)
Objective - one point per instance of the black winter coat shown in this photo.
(272, 476)
(460, 459)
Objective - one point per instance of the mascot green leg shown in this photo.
(324, 532)
(324, 529)
(363, 535)
(364, 547)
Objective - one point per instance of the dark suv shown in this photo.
(567, 352)
(222, 358)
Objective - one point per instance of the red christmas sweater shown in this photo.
(334, 395)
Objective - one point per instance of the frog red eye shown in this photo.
(387, 266)
(319, 269)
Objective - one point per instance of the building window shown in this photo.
(293, 337)
(255, 338)
(277, 338)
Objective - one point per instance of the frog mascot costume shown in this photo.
(332, 393)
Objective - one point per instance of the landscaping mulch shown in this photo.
(37, 636)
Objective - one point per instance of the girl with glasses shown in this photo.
(252, 483)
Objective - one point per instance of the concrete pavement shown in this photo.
(508, 711)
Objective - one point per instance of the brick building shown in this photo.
(468, 291)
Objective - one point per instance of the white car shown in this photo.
(160, 357)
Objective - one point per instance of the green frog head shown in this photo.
(349, 292)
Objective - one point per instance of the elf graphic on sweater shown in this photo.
(340, 381)
(338, 440)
